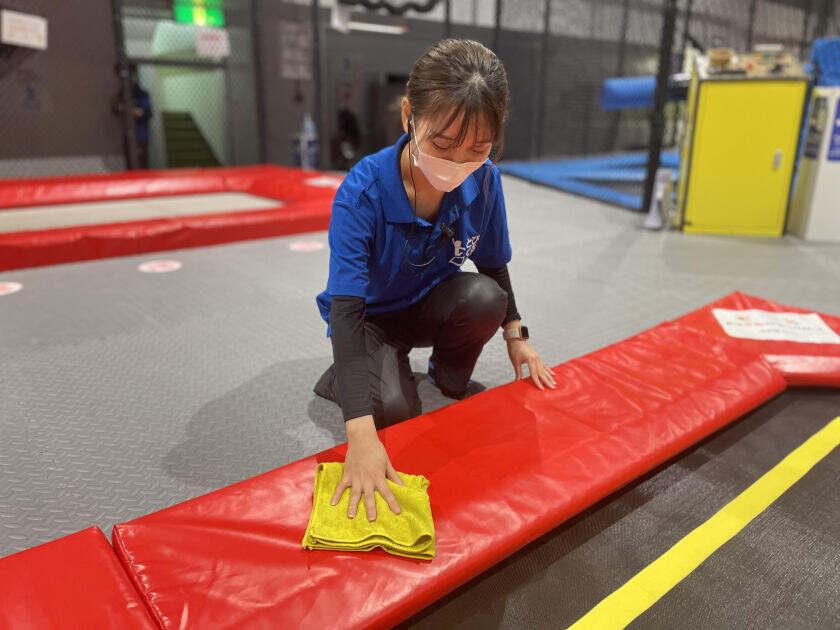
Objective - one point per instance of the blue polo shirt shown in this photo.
(372, 221)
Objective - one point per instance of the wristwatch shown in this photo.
(516, 333)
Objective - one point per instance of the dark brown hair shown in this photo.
(460, 76)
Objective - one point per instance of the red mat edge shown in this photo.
(119, 551)
(66, 245)
(118, 565)
(118, 185)
(305, 209)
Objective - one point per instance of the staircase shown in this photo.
(185, 144)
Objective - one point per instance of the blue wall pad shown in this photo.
(825, 55)
(632, 92)
(627, 92)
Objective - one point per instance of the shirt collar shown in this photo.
(397, 207)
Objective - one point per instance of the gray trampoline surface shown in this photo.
(124, 392)
(70, 214)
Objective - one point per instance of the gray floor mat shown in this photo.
(123, 392)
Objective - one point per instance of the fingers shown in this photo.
(370, 503)
(364, 491)
(539, 373)
(534, 370)
(393, 475)
(547, 376)
(385, 491)
(355, 495)
(339, 490)
(389, 497)
(518, 368)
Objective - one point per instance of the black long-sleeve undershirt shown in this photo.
(347, 316)
(347, 321)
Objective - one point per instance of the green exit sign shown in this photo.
(201, 12)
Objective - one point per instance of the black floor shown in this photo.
(781, 571)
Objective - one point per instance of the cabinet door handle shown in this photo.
(777, 159)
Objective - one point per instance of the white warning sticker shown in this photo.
(7, 288)
(758, 324)
(159, 266)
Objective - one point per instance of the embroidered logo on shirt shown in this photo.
(463, 251)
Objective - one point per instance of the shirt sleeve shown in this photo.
(493, 248)
(350, 237)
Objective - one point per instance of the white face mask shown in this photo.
(443, 175)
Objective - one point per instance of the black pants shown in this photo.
(456, 319)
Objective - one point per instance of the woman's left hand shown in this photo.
(520, 353)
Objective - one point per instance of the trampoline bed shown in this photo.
(66, 219)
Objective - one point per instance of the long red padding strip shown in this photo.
(505, 467)
(802, 364)
(302, 207)
(72, 582)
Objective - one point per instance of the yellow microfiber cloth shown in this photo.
(411, 533)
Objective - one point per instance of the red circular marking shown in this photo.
(159, 266)
(306, 246)
(7, 288)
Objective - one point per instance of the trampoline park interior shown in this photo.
(672, 182)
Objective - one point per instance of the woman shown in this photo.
(403, 222)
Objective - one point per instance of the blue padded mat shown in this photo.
(579, 174)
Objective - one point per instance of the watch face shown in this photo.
(524, 332)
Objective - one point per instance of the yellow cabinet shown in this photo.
(739, 151)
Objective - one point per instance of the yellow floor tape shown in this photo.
(651, 583)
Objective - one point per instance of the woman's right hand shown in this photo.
(366, 468)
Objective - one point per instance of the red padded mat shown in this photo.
(505, 467)
(802, 364)
(305, 208)
(72, 582)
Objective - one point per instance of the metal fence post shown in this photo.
(126, 96)
(316, 81)
(540, 114)
(447, 19)
(259, 92)
(657, 117)
(689, 7)
(826, 12)
(751, 25)
(497, 27)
